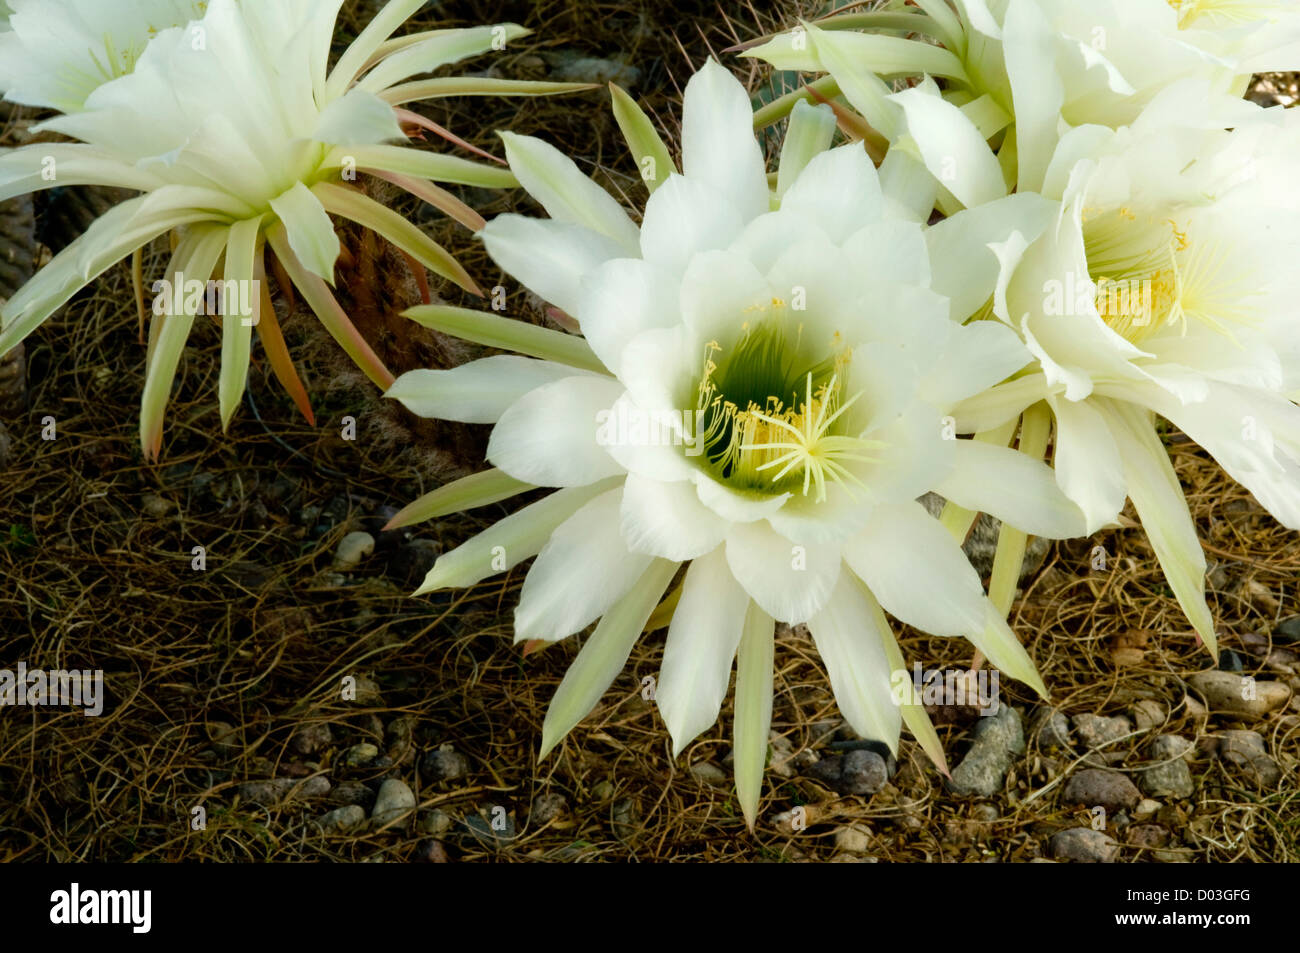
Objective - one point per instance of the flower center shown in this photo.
(1229, 11)
(771, 426)
(1149, 276)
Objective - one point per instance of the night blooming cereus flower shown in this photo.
(1016, 73)
(761, 393)
(55, 53)
(1160, 279)
(241, 139)
(1145, 253)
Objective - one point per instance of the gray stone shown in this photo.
(1246, 753)
(443, 764)
(1287, 632)
(1229, 692)
(352, 792)
(494, 829)
(860, 771)
(710, 774)
(852, 840)
(281, 789)
(360, 755)
(155, 506)
(571, 67)
(1170, 777)
(1148, 714)
(345, 818)
(1098, 730)
(395, 798)
(546, 808)
(1051, 730)
(311, 739)
(998, 740)
(1109, 789)
(431, 852)
(435, 822)
(1083, 845)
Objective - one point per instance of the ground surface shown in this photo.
(224, 684)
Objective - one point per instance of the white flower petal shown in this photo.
(953, 149)
(510, 541)
(548, 436)
(917, 571)
(791, 582)
(1158, 498)
(838, 191)
(683, 218)
(478, 392)
(1009, 485)
(583, 569)
(549, 258)
(619, 300)
(567, 195)
(1087, 463)
(667, 519)
(854, 653)
(718, 144)
(701, 644)
(603, 655)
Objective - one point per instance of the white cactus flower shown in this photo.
(242, 138)
(55, 53)
(1017, 73)
(761, 393)
(1158, 280)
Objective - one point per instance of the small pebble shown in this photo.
(1229, 692)
(345, 818)
(435, 822)
(1170, 777)
(1098, 730)
(1109, 789)
(1084, 845)
(360, 755)
(710, 774)
(443, 764)
(311, 739)
(852, 840)
(395, 798)
(353, 548)
(998, 740)
(546, 808)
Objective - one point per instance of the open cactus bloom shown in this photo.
(244, 146)
(998, 80)
(55, 53)
(762, 392)
(1154, 275)
(1097, 203)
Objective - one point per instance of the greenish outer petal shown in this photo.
(1158, 498)
(509, 334)
(467, 493)
(643, 140)
(509, 542)
(310, 231)
(604, 654)
(753, 708)
(810, 132)
(195, 259)
(237, 326)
